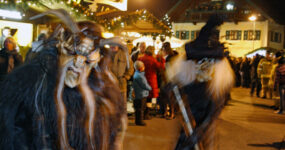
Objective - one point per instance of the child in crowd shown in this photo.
(141, 89)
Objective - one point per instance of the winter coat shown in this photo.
(122, 69)
(15, 61)
(37, 46)
(273, 73)
(280, 75)
(253, 68)
(264, 68)
(135, 55)
(151, 68)
(140, 85)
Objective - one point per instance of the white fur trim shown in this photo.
(183, 72)
(223, 79)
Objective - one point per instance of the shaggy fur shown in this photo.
(184, 72)
(28, 116)
(204, 100)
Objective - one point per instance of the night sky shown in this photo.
(274, 8)
(158, 7)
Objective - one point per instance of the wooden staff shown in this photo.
(188, 124)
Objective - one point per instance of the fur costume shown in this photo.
(204, 77)
(28, 114)
(42, 107)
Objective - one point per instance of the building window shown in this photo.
(275, 37)
(233, 35)
(194, 34)
(248, 35)
(184, 35)
(177, 34)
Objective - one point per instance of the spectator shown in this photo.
(275, 60)
(151, 68)
(263, 70)
(141, 88)
(37, 46)
(135, 48)
(138, 53)
(163, 99)
(245, 74)
(237, 71)
(255, 79)
(280, 83)
(122, 65)
(9, 58)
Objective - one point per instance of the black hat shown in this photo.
(207, 44)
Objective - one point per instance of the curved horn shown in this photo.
(63, 15)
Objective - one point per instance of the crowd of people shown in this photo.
(141, 74)
(71, 91)
(150, 67)
(124, 64)
(263, 75)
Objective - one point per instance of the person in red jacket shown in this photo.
(151, 68)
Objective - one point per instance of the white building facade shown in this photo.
(240, 38)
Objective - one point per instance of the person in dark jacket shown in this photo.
(139, 52)
(37, 46)
(245, 72)
(141, 89)
(255, 80)
(163, 100)
(280, 83)
(9, 58)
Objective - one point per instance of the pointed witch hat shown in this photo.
(207, 44)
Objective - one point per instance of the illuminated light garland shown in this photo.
(79, 8)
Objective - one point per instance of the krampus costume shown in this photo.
(63, 99)
(204, 77)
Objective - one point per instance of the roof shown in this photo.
(179, 9)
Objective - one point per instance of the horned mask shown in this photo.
(78, 47)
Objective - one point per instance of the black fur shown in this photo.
(28, 118)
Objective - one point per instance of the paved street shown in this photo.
(247, 123)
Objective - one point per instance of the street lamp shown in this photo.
(253, 19)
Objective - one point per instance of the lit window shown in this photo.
(248, 35)
(275, 37)
(233, 35)
(194, 34)
(184, 35)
